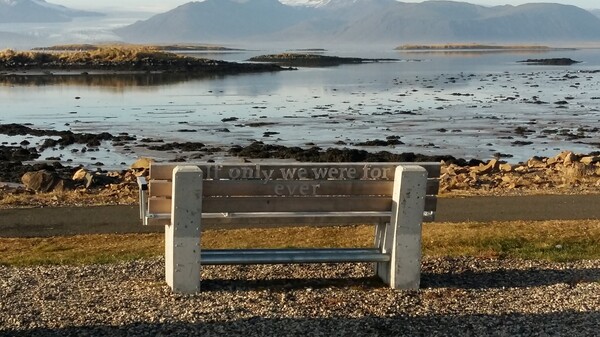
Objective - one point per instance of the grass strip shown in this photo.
(533, 240)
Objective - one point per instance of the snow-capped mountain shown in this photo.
(41, 3)
(333, 3)
(308, 3)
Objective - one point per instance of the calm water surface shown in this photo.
(471, 105)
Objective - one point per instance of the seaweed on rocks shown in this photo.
(66, 138)
(12, 158)
(551, 61)
(379, 142)
(187, 146)
(17, 153)
(12, 167)
(260, 150)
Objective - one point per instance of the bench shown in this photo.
(396, 197)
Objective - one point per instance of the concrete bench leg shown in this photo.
(182, 236)
(402, 237)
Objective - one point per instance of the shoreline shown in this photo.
(564, 173)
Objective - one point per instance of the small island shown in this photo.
(312, 60)
(551, 62)
(122, 59)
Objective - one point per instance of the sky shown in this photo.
(164, 5)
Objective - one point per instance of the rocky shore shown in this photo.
(50, 183)
(27, 179)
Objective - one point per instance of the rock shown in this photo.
(538, 173)
(575, 173)
(490, 167)
(141, 167)
(521, 169)
(42, 181)
(84, 176)
(91, 179)
(570, 158)
(114, 174)
(62, 186)
(589, 160)
(449, 169)
(561, 156)
(506, 168)
(142, 163)
(553, 160)
(523, 182)
(80, 174)
(535, 163)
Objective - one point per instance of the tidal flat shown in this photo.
(472, 107)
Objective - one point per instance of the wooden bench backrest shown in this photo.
(291, 187)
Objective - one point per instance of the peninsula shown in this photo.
(123, 59)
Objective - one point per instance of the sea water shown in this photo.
(468, 104)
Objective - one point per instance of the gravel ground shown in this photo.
(459, 297)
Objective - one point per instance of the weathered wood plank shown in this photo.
(294, 171)
(287, 204)
(163, 188)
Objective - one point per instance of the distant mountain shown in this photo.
(596, 12)
(440, 21)
(364, 21)
(215, 20)
(13, 11)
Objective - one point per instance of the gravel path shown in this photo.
(459, 297)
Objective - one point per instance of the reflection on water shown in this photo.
(114, 82)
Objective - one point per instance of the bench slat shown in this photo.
(163, 188)
(278, 220)
(281, 204)
(344, 171)
(288, 204)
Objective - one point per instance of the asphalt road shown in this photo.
(45, 222)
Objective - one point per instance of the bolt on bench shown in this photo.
(397, 197)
